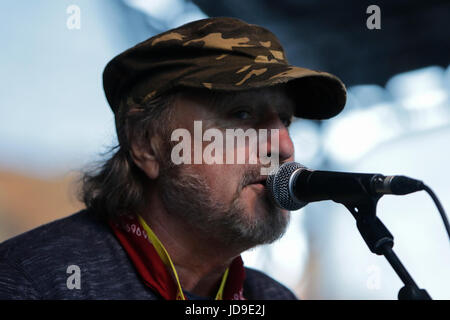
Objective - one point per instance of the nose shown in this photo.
(285, 145)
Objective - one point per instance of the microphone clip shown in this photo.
(380, 241)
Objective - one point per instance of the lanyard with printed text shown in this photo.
(156, 268)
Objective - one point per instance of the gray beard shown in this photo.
(188, 196)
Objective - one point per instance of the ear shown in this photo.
(145, 157)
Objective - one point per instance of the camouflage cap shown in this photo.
(219, 54)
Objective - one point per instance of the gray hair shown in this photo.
(116, 186)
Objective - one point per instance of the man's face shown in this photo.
(228, 202)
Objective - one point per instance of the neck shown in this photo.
(199, 259)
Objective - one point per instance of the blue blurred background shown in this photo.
(54, 120)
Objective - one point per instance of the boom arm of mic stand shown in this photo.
(380, 241)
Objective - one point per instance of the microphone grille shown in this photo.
(277, 185)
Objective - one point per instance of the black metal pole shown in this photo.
(380, 241)
(410, 291)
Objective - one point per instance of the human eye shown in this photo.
(241, 114)
(286, 120)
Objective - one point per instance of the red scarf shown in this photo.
(155, 274)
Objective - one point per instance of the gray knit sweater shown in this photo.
(79, 257)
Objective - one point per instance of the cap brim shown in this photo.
(317, 95)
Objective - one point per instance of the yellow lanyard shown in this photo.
(164, 255)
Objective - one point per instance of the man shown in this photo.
(156, 227)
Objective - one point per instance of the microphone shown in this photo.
(292, 186)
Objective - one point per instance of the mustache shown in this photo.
(252, 175)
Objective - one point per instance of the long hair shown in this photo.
(117, 186)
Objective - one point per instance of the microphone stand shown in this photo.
(380, 241)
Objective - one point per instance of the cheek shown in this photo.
(223, 180)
